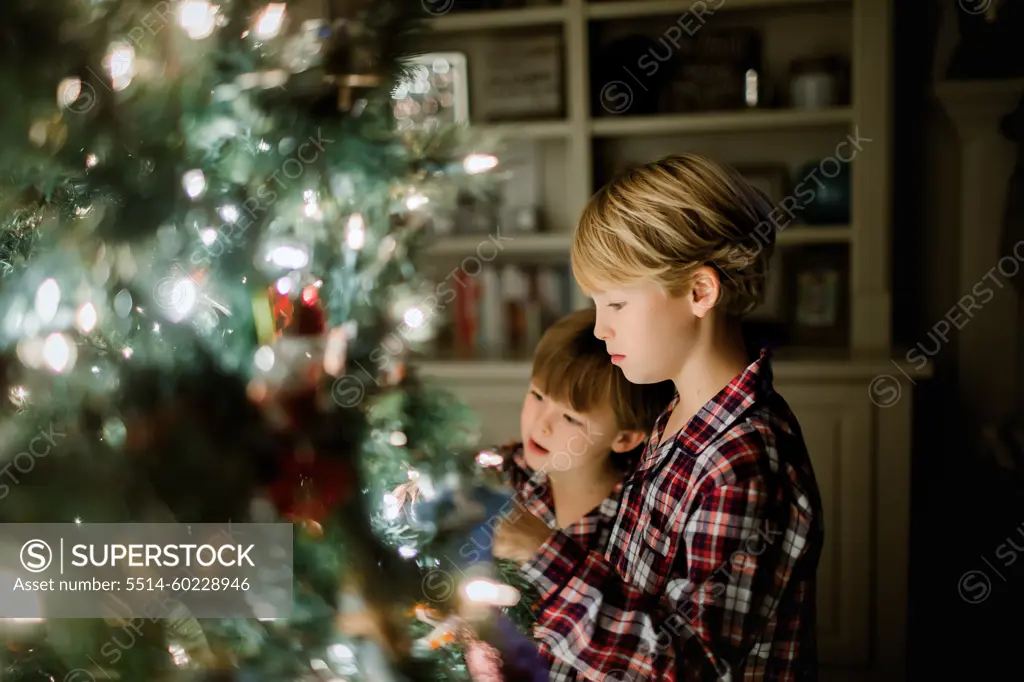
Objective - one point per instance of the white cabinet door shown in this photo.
(836, 422)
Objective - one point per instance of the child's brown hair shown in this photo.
(572, 366)
(663, 220)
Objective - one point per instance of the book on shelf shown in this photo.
(502, 312)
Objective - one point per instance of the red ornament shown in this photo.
(302, 317)
(311, 487)
(282, 309)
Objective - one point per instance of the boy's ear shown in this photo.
(628, 440)
(706, 290)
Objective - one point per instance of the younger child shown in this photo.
(582, 427)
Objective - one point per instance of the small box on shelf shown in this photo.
(522, 79)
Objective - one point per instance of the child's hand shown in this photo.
(519, 538)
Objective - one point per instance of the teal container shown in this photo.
(823, 192)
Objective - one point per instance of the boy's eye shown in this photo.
(574, 422)
(616, 306)
(536, 395)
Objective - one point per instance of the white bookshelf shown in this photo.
(574, 146)
(642, 8)
(756, 120)
(485, 20)
(860, 445)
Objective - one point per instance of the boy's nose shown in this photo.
(546, 420)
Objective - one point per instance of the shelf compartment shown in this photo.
(484, 20)
(560, 243)
(519, 244)
(649, 8)
(815, 234)
(526, 130)
(719, 121)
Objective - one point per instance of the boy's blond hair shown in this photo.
(572, 366)
(663, 220)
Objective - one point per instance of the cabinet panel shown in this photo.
(836, 422)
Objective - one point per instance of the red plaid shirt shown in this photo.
(590, 533)
(710, 570)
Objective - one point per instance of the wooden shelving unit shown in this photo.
(581, 146)
(854, 403)
(559, 243)
(647, 8)
(484, 20)
(529, 130)
(757, 120)
(516, 244)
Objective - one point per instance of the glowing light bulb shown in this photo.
(58, 353)
(229, 212)
(194, 182)
(398, 439)
(68, 91)
(198, 18)
(91, 161)
(416, 201)
(488, 592)
(489, 459)
(86, 317)
(47, 300)
(179, 655)
(355, 235)
(270, 21)
(18, 395)
(289, 257)
(284, 286)
(479, 163)
(181, 299)
(341, 653)
(209, 236)
(264, 358)
(120, 62)
(414, 318)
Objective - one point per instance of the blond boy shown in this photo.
(710, 570)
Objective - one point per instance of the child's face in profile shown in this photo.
(647, 333)
(558, 439)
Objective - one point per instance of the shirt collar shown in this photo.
(536, 494)
(752, 385)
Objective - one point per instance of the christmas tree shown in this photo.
(208, 307)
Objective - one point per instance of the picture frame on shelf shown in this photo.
(817, 285)
(772, 179)
(434, 92)
(523, 79)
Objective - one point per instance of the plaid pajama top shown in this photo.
(709, 573)
(590, 533)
